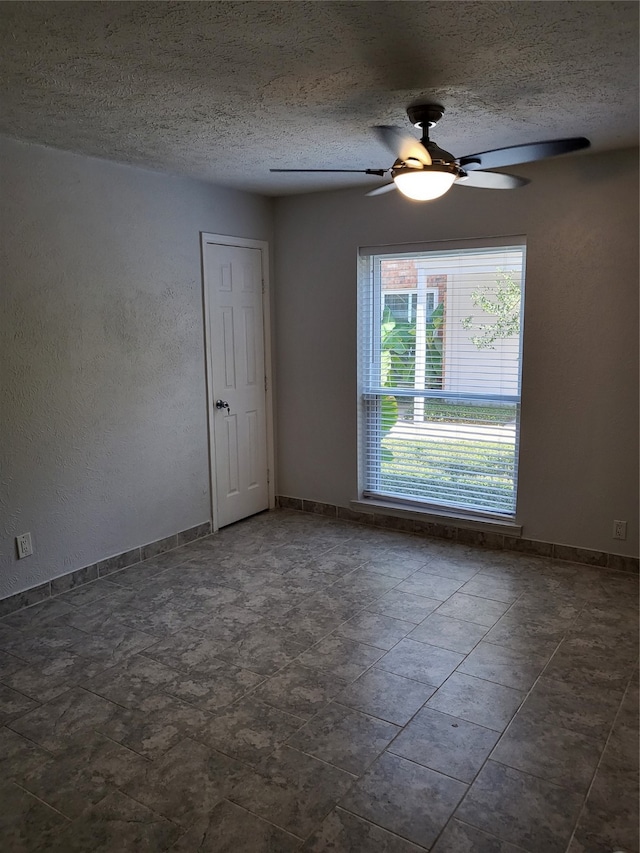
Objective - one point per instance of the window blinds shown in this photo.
(440, 333)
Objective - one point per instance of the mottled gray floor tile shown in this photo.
(610, 818)
(39, 616)
(459, 568)
(344, 658)
(67, 666)
(293, 790)
(552, 603)
(394, 565)
(459, 837)
(549, 752)
(623, 747)
(83, 774)
(374, 629)
(343, 832)
(248, 730)
(582, 708)
(187, 782)
(421, 662)
(223, 684)
(357, 552)
(344, 737)
(478, 701)
(231, 829)
(32, 682)
(88, 593)
(163, 622)
(39, 645)
(303, 572)
(18, 756)
(111, 642)
(194, 601)
(264, 650)
(386, 695)
(525, 635)
(448, 633)
(361, 586)
(155, 725)
(470, 608)
(430, 586)
(498, 589)
(139, 575)
(90, 616)
(448, 744)
(520, 808)
(311, 622)
(116, 823)
(129, 682)
(576, 663)
(393, 794)
(503, 665)
(26, 824)
(303, 551)
(276, 562)
(13, 704)
(300, 690)
(404, 605)
(336, 564)
(9, 664)
(56, 723)
(341, 605)
(226, 623)
(188, 650)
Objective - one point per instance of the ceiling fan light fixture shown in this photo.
(427, 183)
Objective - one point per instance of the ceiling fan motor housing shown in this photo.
(425, 115)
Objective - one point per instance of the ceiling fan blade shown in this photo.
(491, 181)
(385, 188)
(379, 172)
(522, 153)
(403, 145)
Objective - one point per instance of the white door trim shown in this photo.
(243, 243)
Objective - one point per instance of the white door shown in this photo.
(237, 385)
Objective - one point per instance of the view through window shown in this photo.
(440, 353)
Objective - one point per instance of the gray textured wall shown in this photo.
(579, 433)
(103, 430)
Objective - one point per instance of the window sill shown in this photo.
(454, 519)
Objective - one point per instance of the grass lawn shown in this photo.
(438, 471)
(443, 411)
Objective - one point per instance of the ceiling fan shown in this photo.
(424, 171)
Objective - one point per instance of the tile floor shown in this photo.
(302, 684)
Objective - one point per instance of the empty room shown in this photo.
(319, 426)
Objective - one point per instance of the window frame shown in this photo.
(369, 282)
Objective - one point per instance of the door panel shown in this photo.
(233, 279)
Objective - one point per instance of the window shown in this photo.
(440, 333)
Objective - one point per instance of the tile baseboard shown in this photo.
(465, 536)
(101, 569)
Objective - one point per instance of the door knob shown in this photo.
(222, 404)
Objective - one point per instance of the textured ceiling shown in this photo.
(223, 91)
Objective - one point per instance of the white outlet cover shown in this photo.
(24, 544)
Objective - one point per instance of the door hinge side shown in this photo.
(268, 476)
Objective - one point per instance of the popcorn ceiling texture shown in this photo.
(223, 91)
(103, 399)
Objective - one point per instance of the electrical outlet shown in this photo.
(23, 543)
(619, 529)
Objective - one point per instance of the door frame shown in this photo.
(263, 246)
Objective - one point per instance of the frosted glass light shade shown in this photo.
(426, 183)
